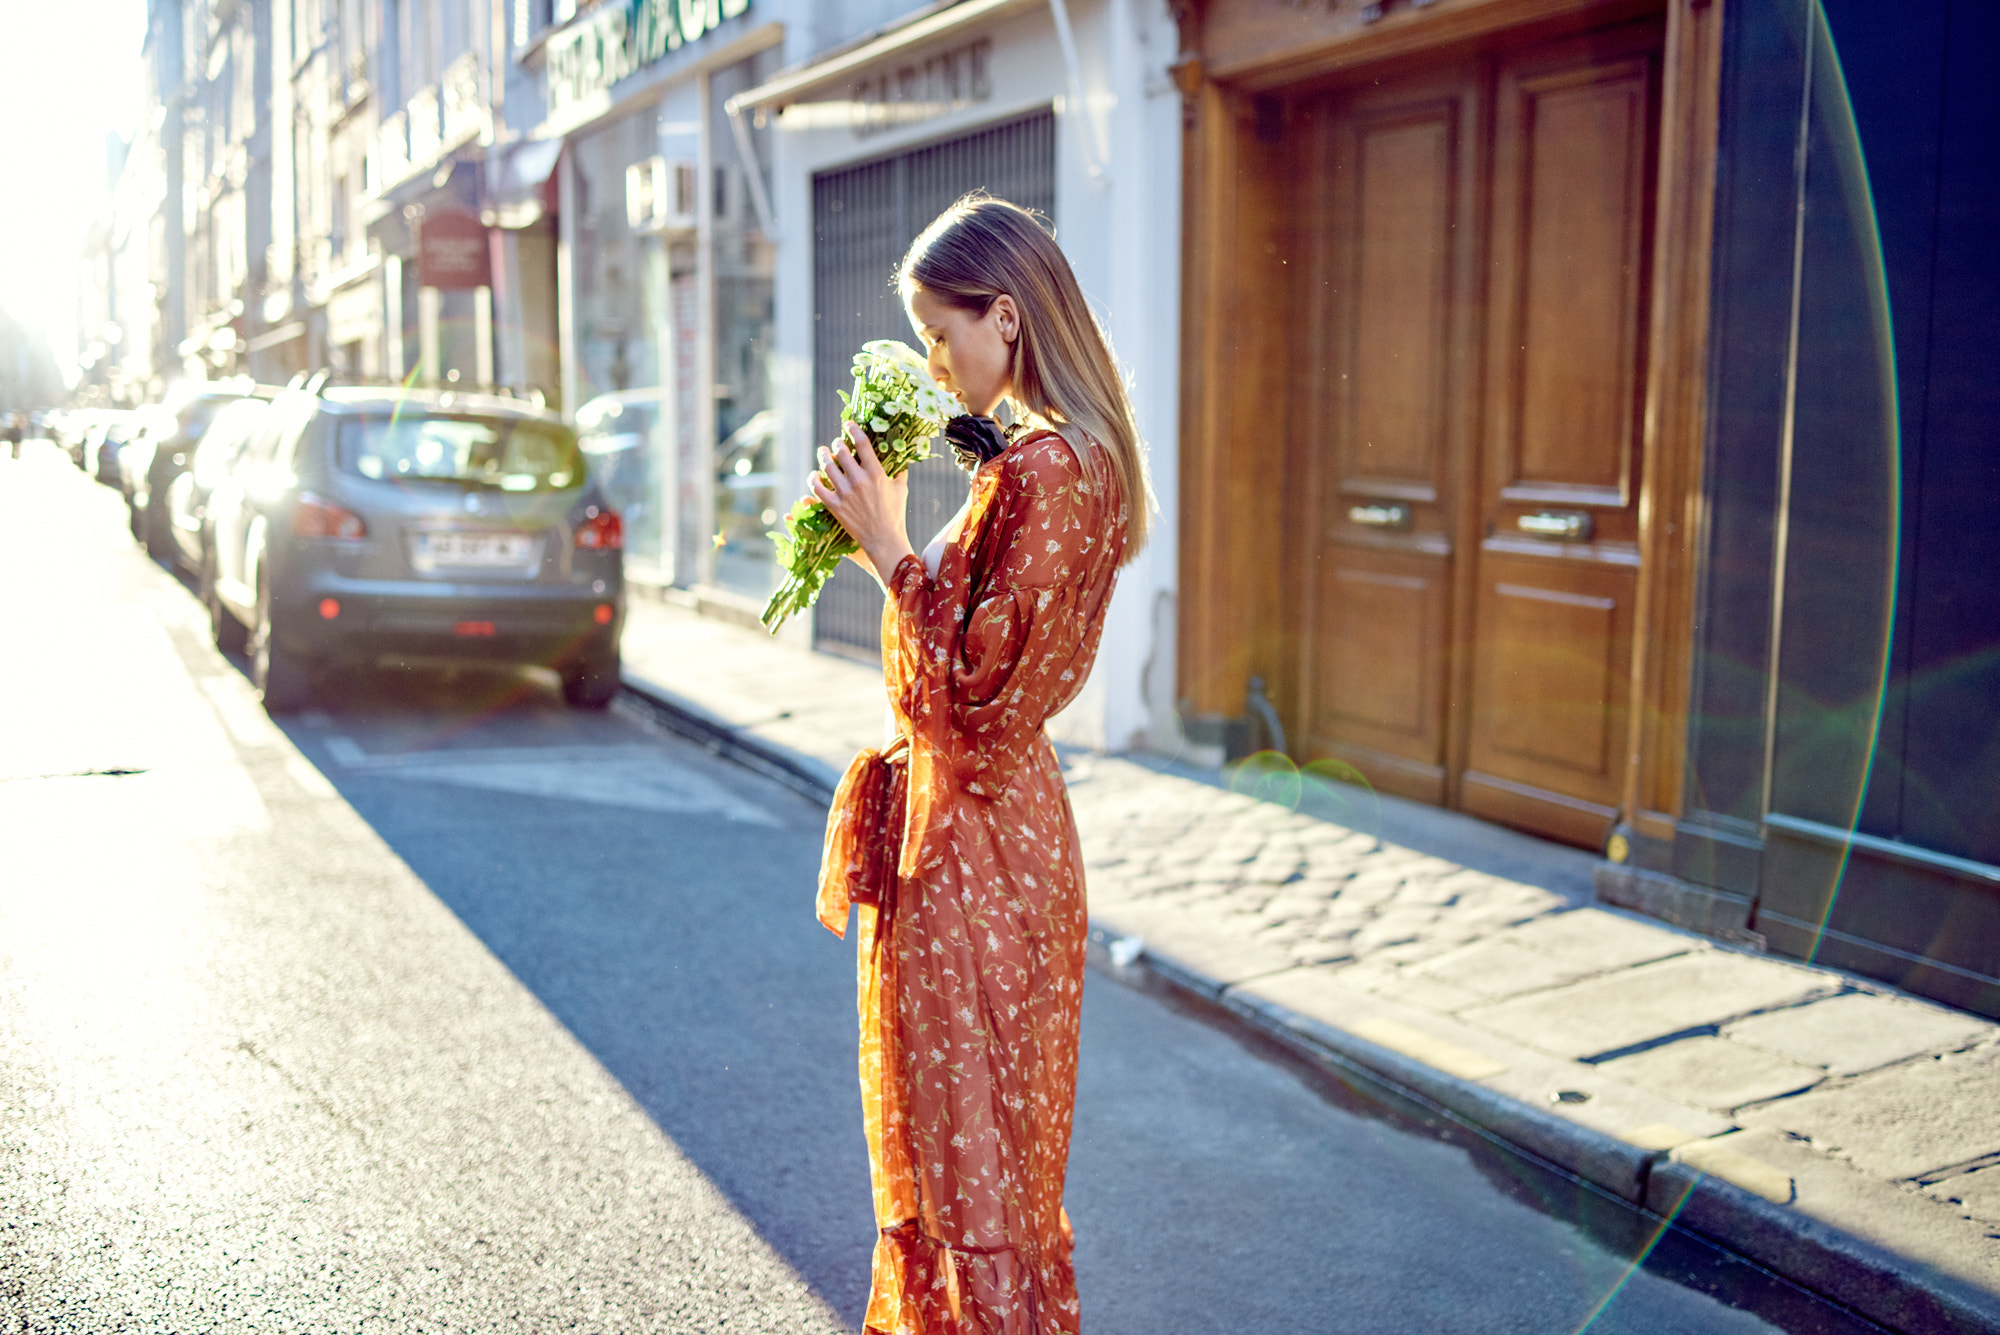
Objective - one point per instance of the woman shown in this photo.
(972, 949)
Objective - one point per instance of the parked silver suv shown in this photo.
(363, 522)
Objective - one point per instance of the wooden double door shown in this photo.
(1476, 239)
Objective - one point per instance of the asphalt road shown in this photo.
(446, 1008)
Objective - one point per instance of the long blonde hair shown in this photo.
(1063, 371)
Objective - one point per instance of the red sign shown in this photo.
(452, 251)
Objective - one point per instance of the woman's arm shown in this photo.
(999, 638)
(868, 502)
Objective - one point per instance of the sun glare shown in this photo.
(70, 75)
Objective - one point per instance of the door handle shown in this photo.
(1378, 515)
(1569, 525)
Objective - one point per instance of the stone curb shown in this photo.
(1876, 1283)
(801, 774)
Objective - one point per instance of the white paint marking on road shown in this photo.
(618, 776)
(607, 778)
(308, 777)
(240, 710)
(346, 754)
(350, 755)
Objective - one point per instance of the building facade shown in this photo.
(1624, 365)
(1576, 413)
(1066, 108)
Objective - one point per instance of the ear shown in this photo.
(1006, 317)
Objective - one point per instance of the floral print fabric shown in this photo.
(971, 952)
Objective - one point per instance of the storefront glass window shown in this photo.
(747, 504)
(633, 269)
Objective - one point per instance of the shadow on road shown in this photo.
(679, 948)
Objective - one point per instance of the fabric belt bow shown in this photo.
(864, 834)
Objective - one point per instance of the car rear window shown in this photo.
(229, 430)
(196, 417)
(469, 451)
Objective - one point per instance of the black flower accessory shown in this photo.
(975, 440)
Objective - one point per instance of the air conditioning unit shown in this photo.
(660, 195)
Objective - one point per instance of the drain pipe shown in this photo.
(1094, 153)
(746, 149)
(1260, 705)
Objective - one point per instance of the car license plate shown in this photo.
(474, 550)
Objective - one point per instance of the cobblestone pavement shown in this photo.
(1823, 1124)
(1287, 887)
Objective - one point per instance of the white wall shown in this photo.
(1121, 229)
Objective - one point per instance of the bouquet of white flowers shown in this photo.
(900, 406)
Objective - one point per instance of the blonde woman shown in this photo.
(957, 841)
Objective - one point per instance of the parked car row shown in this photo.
(335, 525)
(92, 437)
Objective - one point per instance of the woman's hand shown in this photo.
(868, 502)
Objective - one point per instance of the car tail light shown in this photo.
(601, 530)
(317, 517)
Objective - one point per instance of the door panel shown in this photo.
(1384, 609)
(1557, 571)
(1389, 211)
(1553, 661)
(1399, 270)
(1569, 260)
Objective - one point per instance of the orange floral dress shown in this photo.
(962, 857)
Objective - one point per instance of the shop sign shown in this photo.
(947, 81)
(619, 39)
(452, 250)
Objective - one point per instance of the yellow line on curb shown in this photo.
(1658, 1136)
(1738, 1169)
(1415, 1043)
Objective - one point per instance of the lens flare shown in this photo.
(1326, 789)
(1820, 732)
(1638, 1262)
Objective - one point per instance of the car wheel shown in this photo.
(282, 677)
(230, 635)
(159, 542)
(591, 682)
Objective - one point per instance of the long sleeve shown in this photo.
(1001, 638)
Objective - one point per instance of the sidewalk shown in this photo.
(1820, 1124)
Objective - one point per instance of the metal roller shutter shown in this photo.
(864, 218)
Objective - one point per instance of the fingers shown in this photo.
(849, 472)
(864, 454)
(850, 458)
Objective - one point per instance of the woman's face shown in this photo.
(971, 357)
